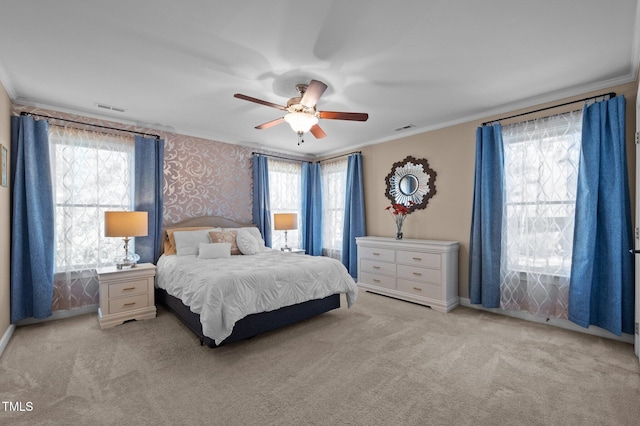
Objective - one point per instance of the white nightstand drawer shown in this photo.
(128, 303)
(416, 258)
(383, 254)
(376, 267)
(420, 274)
(128, 288)
(420, 289)
(377, 280)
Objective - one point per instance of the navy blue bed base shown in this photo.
(253, 324)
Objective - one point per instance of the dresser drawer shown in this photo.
(416, 258)
(128, 288)
(384, 254)
(376, 267)
(377, 280)
(432, 291)
(128, 303)
(420, 274)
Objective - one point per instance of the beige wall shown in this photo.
(451, 154)
(5, 138)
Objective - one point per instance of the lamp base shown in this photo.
(285, 248)
(126, 264)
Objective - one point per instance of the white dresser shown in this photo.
(420, 271)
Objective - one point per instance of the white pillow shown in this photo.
(247, 244)
(214, 250)
(255, 232)
(187, 242)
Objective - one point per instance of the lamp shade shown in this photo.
(285, 221)
(125, 224)
(301, 122)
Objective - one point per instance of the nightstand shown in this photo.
(294, 251)
(126, 294)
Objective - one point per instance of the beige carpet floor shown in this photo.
(382, 362)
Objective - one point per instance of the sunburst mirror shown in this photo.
(411, 183)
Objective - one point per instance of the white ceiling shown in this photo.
(175, 65)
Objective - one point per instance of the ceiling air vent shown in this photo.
(110, 108)
(408, 126)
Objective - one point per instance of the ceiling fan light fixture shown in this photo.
(301, 122)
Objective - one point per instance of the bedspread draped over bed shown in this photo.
(223, 291)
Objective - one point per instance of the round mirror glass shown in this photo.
(408, 184)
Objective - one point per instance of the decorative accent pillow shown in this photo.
(247, 243)
(214, 250)
(169, 247)
(187, 242)
(225, 237)
(255, 232)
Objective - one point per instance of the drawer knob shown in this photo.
(375, 280)
(417, 274)
(128, 289)
(376, 267)
(416, 258)
(417, 289)
(376, 254)
(129, 304)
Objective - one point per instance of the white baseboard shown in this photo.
(6, 337)
(68, 313)
(562, 323)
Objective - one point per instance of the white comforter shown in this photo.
(223, 291)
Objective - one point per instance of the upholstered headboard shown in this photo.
(200, 222)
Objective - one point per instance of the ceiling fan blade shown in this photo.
(270, 123)
(314, 91)
(258, 101)
(317, 132)
(353, 116)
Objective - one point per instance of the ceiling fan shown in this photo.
(302, 115)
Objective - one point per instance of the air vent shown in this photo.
(408, 126)
(110, 108)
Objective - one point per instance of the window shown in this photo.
(92, 173)
(285, 182)
(334, 184)
(541, 170)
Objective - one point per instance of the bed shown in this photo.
(224, 298)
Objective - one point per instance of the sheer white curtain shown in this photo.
(285, 182)
(334, 184)
(92, 173)
(541, 170)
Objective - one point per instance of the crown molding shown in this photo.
(6, 83)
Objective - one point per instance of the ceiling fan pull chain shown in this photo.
(300, 140)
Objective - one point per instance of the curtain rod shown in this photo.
(338, 156)
(282, 158)
(306, 161)
(89, 124)
(610, 94)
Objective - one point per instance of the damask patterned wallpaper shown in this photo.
(201, 177)
(206, 178)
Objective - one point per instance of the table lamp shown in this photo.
(126, 225)
(285, 222)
